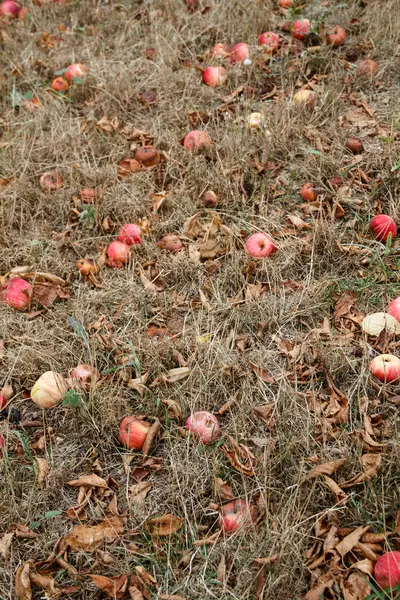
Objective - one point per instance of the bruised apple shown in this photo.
(235, 515)
(204, 425)
(133, 432)
(49, 389)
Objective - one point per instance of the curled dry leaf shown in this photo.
(163, 526)
(47, 293)
(43, 470)
(139, 491)
(174, 375)
(145, 576)
(208, 541)
(351, 540)
(92, 480)
(371, 463)
(356, 587)
(326, 468)
(5, 545)
(239, 456)
(151, 435)
(85, 538)
(135, 594)
(222, 489)
(158, 200)
(377, 322)
(22, 586)
(262, 374)
(268, 560)
(47, 583)
(108, 125)
(170, 597)
(265, 412)
(174, 409)
(316, 593)
(115, 587)
(139, 384)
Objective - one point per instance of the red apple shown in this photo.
(84, 376)
(9, 8)
(240, 52)
(2, 444)
(394, 308)
(130, 234)
(336, 36)
(260, 245)
(204, 425)
(59, 84)
(75, 70)
(387, 570)
(382, 226)
(270, 40)
(148, 156)
(354, 144)
(221, 50)
(301, 28)
(118, 255)
(170, 242)
(17, 293)
(367, 68)
(235, 515)
(305, 98)
(127, 166)
(285, 3)
(385, 367)
(214, 76)
(197, 140)
(308, 192)
(133, 432)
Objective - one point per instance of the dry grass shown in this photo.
(62, 135)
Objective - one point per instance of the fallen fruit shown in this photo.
(214, 76)
(204, 425)
(308, 192)
(367, 68)
(17, 293)
(394, 308)
(385, 367)
(75, 70)
(210, 199)
(133, 432)
(305, 98)
(235, 515)
(51, 180)
(86, 266)
(387, 570)
(88, 193)
(118, 254)
(254, 120)
(196, 140)
(170, 242)
(354, 144)
(221, 49)
(130, 234)
(285, 3)
(269, 40)
(148, 156)
(49, 389)
(84, 375)
(59, 84)
(301, 28)
(336, 36)
(239, 53)
(9, 8)
(127, 166)
(260, 245)
(383, 226)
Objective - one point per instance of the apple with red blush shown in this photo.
(386, 368)
(383, 226)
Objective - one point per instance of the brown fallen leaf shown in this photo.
(135, 594)
(211, 248)
(268, 560)
(221, 571)
(316, 592)
(356, 587)
(222, 489)
(92, 480)
(5, 545)
(262, 374)
(139, 491)
(43, 470)
(151, 435)
(365, 566)
(174, 409)
(226, 406)
(86, 538)
(145, 576)
(22, 585)
(108, 125)
(115, 587)
(192, 228)
(158, 200)
(47, 583)
(163, 526)
(265, 412)
(326, 468)
(371, 463)
(347, 543)
(174, 375)
(341, 496)
(208, 541)
(139, 384)
(170, 597)
(239, 456)
(47, 293)
(23, 532)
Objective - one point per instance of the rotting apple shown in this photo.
(236, 514)
(210, 199)
(133, 432)
(197, 140)
(204, 425)
(130, 234)
(269, 40)
(367, 68)
(215, 76)
(59, 84)
(17, 293)
(387, 570)
(385, 367)
(221, 50)
(118, 255)
(260, 245)
(305, 98)
(170, 242)
(51, 181)
(84, 376)
(49, 389)
(354, 144)
(383, 226)
(336, 36)
(148, 156)
(301, 28)
(285, 3)
(127, 166)
(308, 192)
(240, 52)
(394, 308)
(76, 70)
